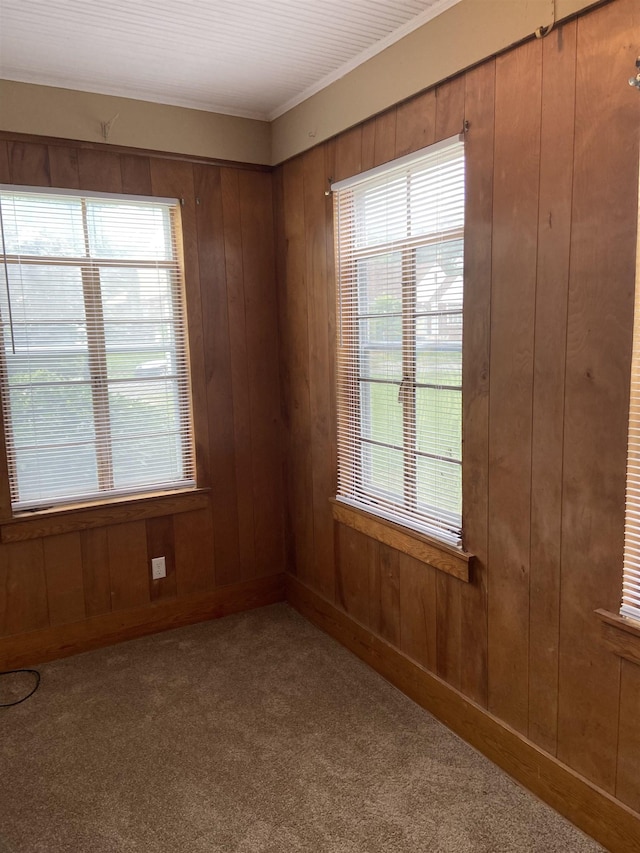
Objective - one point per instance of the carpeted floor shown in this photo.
(251, 733)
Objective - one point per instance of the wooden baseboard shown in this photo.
(597, 813)
(109, 628)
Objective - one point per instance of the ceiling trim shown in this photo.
(402, 31)
(189, 103)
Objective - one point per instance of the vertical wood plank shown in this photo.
(23, 588)
(129, 568)
(628, 778)
(384, 147)
(515, 226)
(239, 368)
(599, 334)
(554, 234)
(348, 154)
(95, 571)
(355, 555)
(161, 543)
(449, 120)
(416, 123)
(5, 172)
(211, 249)
(29, 164)
(294, 311)
(284, 347)
(368, 160)
(479, 145)
(175, 180)
(65, 582)
(332, 474)
(261, 307)
(195, 570)
(450, 108)
(319, 291)
(63, 166)
(99, 170)
(418, 611)
(449, 629)
(136, 174)
(384, 595)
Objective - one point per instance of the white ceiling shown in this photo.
(253, 58)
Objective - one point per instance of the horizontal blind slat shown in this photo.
(399, 244)
(93, 347)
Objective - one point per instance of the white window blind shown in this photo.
(631, 576)
(93, 372)
(399, 238)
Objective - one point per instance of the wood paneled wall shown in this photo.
(236, 534)
(552, 182)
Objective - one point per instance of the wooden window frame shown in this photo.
(56, 518)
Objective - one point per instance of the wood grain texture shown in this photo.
(515, 226)
(29, 164)
(479, 147)
(356, 555)
(600, 318)
(348, 154)
(95, 571)
(196, 570)
(161, 543)
(129, 568)
(627, 776)
(284, 344)
(63, 640)
(620, 635)
(547, 434)
(450, 108)
(217, 359)
(418, 635)
(368, 159)
(65, 582)
(99, 171)
(384, 146)
(23, 588)
(136, 174)
(239, 367)
(94, 556)
(5, 172)
(608, 820)
(63, 167)
(261, 317)
(173, 179)
(384, 595)
(295, 341)
(53, 522)
(322, 423)
(416, 123)
(442, 557)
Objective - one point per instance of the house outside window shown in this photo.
(94, 371)
(400, 249)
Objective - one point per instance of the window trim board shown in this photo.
(439, 555)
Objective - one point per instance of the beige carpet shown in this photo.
(250, 733)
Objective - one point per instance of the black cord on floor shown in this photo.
(24, 698)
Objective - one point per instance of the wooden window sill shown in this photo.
(621, 635)
(51, 522)
(428, 550)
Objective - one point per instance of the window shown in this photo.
(631, 579)
(400, 285)
(94, 376)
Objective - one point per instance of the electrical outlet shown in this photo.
(158, 568)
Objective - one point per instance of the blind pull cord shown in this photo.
(6, 280)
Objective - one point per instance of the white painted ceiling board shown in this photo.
(253, 58)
